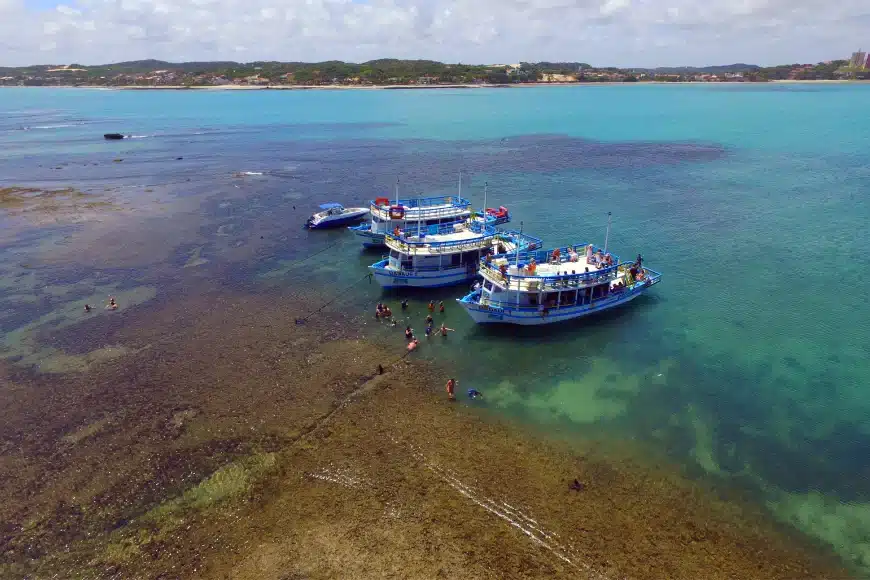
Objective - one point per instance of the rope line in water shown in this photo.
(337, 297)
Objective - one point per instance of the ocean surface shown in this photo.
(748, 364)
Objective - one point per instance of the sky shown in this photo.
(640, 33)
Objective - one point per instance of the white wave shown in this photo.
(138, 136)
(54, 126)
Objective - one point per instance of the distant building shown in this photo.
(867, 63)
(858, 59)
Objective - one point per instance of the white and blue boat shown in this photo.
(423, 211)
(334, 215)
(549, 286)
(444, 255)
(402, 213)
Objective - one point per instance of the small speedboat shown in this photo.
(335, 214)
(112, 136)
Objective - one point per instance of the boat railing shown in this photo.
(424, 202)
(535, 283)
(543, 256)
(651, 278)
(425, 208)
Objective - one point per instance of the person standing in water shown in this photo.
(112, 305)
(409, 333)
(431, 306)
(451, 387)
(441, 307)
(444, 330)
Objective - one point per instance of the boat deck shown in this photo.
(450, 243)
(412, 214)
(549, 276)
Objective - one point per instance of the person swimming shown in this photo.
(87, 307)
(444, 330)
(441, 307)
(405, 304)
(413, 344)
(112, 305)
(409, 333)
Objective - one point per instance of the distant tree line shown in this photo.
(389, 72)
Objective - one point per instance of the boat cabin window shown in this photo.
(488, 285)
(394, 254)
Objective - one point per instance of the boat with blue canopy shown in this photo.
(334, 215)
(445, 254)
(549, 286)
(386, 215)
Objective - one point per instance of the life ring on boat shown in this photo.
(397, 212)
(382, 201)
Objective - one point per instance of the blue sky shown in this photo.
(601, 32)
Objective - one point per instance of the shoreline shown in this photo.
(424, 87)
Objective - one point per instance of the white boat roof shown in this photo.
(447, 243)
(547, 275)
(426, 212)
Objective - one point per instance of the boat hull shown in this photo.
(388, 278)
(336, 222)
(369, 238)
(490, 314)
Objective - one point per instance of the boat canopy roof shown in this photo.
(425, 202)
(330, 205)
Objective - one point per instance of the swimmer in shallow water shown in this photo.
(444, 330)
(87, 307)
(112, 305)
(413, 344)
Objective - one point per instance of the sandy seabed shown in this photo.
(232, 439)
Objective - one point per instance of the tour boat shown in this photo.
(422, 212)
(444, 255)
(402, 213)
(335, 214)
(548, 286)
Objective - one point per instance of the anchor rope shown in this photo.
(340, 294)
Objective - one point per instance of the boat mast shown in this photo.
(607, 235)
(459, 195)
(517, 265)
(419, 213)
(485, 186)
(517, 262)
(397, 191)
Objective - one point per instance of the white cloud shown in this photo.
(602, 32)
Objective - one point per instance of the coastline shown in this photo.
(428, 87)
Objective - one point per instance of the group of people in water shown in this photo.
(112, 305)
(382, 311)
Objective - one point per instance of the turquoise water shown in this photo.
(747, 364)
